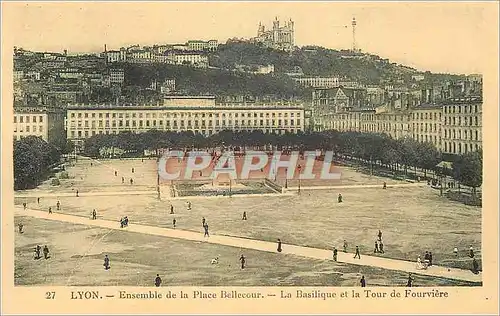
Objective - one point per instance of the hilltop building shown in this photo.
(279, 37)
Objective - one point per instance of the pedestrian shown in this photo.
(362, 281)
(50, 210)
(455, 251)
(475, 266)
(38, 250)
(121, 222)
(430, 258)
(340, 198)
(133, 170)
(142, 159)
(131, 181)
(206, 230)
(125, 221)
(46, 252)
(334, 254)
(379, 235)
(116, 173)
(345, 246)
(20, 225)
(94, 214)
(38, 200)
(409, 283)
(123, 180)
(357, 253)
(244, 216)
(24, 206)
(171, 209)
(106, 262)
(203, 221)
(243, 260)
(174, 221)
(157, 280)
(58, 205)
(188, 206)
(76, 193)
(279, 245)
(376, 247)
(381, 246)
(385, 186)
(91, 164)
(471, 252)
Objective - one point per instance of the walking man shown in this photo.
(362, 281)
(206, 230)
(133, 170)
(410, 280)
(50, 210)
(24, 206)
(58, 205)
(38, 249)
(94, 214)
(123, 180)
(334, 254)
(376, 247)
(471, 252)
(242, 259)
(385, 186)
(76, 193)
(157, 280)
(244, 216)
(430, 258)
(345, 246)
(279, 245)
(116, 173)
(20, 225)
(38, 200)
(131, 181)
(357, 253)
(174, 222)
(106, 262)
(171, 209)
(46, 252)
(340, 198)
(381, 246)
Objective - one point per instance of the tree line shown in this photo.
(397, 155)
(33, 159)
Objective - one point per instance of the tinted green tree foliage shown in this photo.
(33, 158)
(468, 169)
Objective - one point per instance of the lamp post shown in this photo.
(286, 178)
(299, 167)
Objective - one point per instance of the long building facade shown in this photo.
(44, 122)
(199, 115)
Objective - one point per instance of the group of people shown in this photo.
(38, 250)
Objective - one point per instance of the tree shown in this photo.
(468, 169)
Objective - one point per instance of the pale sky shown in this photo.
(440, 37)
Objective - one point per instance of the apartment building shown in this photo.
(197, 114)
(426, 124)
(462, 125)
(46, 123)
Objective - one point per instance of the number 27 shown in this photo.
(50, 295)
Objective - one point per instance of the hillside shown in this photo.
(318, 61)
(214, 81)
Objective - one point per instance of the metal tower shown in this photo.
(353, 34)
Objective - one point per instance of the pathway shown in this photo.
(321, 254)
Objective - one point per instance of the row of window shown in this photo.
(154, 123)
(86, 134)
(28, 129)
(26, 118)
(454, 148)
(175, 115)
(425, 127)
(462, 121)
(460, 109)
(458, 134)
(427, 116)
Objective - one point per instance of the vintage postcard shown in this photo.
(249, 157)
